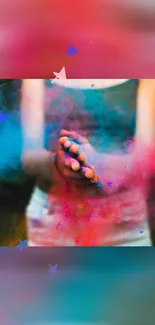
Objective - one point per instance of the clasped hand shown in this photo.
(68, 163)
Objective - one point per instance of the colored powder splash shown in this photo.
(130, 203)
(87, 231)
(80, 228)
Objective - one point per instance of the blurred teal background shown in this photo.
(112, 286)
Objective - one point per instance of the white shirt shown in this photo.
(37, 208)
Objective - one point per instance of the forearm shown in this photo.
(139, 163)
(32, 113)
(145, 125)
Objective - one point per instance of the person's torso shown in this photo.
(107, 118)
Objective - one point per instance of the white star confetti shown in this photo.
(60, 75)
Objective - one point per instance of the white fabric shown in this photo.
(117, 235)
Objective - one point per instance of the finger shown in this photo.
(95, 179)
(73, 173)
(72, 164)
(74, 135)
(81, 158)
(88, 172)
(62, 140)
(68, 144)
(64, 133)
(71, 146)
(74, 149)
(69, 133)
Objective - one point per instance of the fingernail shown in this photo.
(75, 166)
(67, 144)
(88, 172)
(81, 157)
(95, 179)
(67, 162)
(63, 140)
(74, 148)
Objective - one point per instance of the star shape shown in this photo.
(52, 269)
(61, 74)
(72, 50)
(22, 244)
(109, 184)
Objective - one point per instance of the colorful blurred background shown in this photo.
(92, 286)
(115, 38)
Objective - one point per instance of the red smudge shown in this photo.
(76, 223)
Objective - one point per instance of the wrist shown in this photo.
(35, 159)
